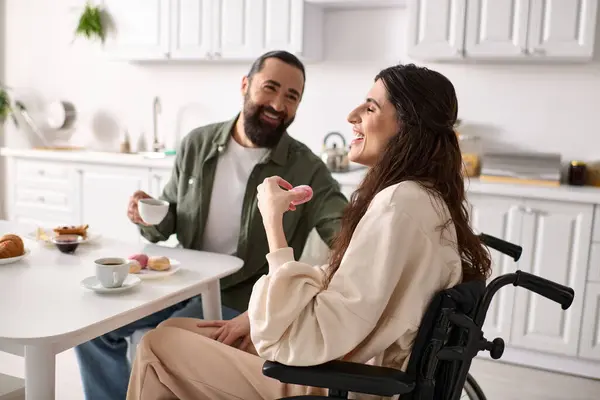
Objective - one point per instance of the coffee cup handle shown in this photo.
(115, 278)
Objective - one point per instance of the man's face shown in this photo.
(271, 99)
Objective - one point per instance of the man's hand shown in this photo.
(132, 211)
(235, 332)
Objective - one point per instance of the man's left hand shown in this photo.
(235, 332)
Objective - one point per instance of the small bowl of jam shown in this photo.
(67, 243)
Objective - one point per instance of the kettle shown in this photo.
(336, 158)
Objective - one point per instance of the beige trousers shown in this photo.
(178, 360)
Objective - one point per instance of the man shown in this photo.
(212, 196)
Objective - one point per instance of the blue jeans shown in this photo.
(103, 361)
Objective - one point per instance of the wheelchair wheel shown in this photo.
(472, 390)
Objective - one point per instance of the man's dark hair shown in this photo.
(281, 55)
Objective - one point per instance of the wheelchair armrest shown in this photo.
(341, 375)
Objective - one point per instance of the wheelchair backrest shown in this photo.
(436, 378)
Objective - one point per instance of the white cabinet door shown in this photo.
(105, 193)
(562, 28)
(158, 180)
(500, 217)
(590, 327)
(556, 240)
(191, 29)
(236, 21)
(497, 28)
(436, 29)
(292, 25)
(139, 29)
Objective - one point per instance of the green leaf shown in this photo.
(90, 23)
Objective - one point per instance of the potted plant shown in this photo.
(91, 23)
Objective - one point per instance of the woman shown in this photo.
(404, 237)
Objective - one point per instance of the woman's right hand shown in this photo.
(275, 198)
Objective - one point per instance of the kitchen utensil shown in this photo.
(60, 114)
(31, 123)
(336, 158)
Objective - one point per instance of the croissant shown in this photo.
(11, 246)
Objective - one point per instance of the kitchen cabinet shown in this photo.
(562, 28)
(436, 29)
(216, 29)
(139, 29)
(556, 238)
(502, 29)
(590, 328)
(500, 217)
(104, 193)
(497, 28)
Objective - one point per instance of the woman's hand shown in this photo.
(273, 201)
(235, 332)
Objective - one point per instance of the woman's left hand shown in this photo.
(273, 201)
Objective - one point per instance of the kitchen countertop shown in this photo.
(92, 157)
(584, 194)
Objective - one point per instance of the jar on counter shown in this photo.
(470, 148)
(577, 173)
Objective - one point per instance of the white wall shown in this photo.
(550, 108)
(2, 64)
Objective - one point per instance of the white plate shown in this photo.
(151, 274)
(92, 283)
(91, 237)
(14, 259)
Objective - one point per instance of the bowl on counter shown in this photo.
(67, 243)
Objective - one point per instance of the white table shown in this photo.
(45, 310)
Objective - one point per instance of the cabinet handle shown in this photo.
(531, 211)
(41, 199)
(42, 172)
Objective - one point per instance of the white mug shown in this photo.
(112, 271)
(153, 211)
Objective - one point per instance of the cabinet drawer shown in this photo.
(42, 171)
(26, 197)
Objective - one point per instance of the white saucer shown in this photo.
(14, 259)
(92, 283)
(151, 274)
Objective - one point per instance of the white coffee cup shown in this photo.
(153, 211)
(112, 271)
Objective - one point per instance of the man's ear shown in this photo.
(245, 85)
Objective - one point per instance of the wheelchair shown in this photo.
(449, 337)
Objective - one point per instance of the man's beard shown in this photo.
(260, 133)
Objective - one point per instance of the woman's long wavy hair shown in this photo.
(425, 150)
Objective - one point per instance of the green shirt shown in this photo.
(189, 190)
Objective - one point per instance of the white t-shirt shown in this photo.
(234, 166)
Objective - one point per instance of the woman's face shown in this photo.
(374, 123)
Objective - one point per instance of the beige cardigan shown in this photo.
(396, 261)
